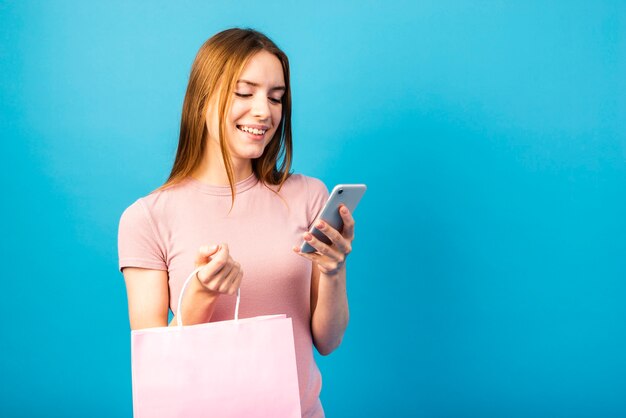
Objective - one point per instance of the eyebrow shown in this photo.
(253, 84)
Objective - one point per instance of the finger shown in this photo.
(316, 257)
(217, 282)
(204, 254)
(226, 279)
(214, 267)
(222, 256)
(236, 283)
(221, 275)
(348, 223)
(321, 247)
(338, 240)
(324, 264)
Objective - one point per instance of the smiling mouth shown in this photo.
(250, 130)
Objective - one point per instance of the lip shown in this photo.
(263, 127)
(252, 136)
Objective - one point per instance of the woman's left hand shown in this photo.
(331, 258)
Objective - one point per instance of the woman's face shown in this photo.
(256, 108)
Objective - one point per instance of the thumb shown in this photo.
(204, 254)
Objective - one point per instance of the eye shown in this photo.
(242, 95)
(275, 100)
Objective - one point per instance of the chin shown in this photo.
(249, 154)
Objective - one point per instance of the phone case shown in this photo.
(347, 194)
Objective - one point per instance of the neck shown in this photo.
(213, 171)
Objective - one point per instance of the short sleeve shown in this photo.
(138, 243)
(318, 194)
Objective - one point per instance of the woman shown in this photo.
(231, 205)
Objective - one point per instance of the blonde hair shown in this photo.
(217, 66)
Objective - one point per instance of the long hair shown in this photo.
(217, 67)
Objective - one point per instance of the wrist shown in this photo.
(336, 276)
(197, 290)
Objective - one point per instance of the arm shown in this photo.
(329, 309)
(329, 299)
(148, 299)
(148, 290)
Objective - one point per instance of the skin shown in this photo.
(256, 102)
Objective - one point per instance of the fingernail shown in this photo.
(308, 237)
(344, 210)
(320, 225)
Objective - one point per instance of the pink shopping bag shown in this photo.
(239, 368)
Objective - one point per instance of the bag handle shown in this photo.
(179, 315)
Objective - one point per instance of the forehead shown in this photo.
(265, 69)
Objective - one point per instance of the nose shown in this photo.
(260, 107)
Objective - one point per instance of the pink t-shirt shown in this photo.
(164, 230)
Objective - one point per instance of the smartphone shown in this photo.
(346, 194)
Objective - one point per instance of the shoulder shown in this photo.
(143, 225)
(305, 185)
(154, 204)
(139, 211)
(136, 220)
(133, 213)
(308, 193)
(139, 243)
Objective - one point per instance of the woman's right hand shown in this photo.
(220, 274)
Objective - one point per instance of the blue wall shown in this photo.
(489, 271)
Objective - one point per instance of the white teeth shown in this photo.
(253, 130)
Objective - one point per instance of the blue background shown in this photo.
(489, 271)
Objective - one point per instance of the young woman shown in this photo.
(231, 205)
